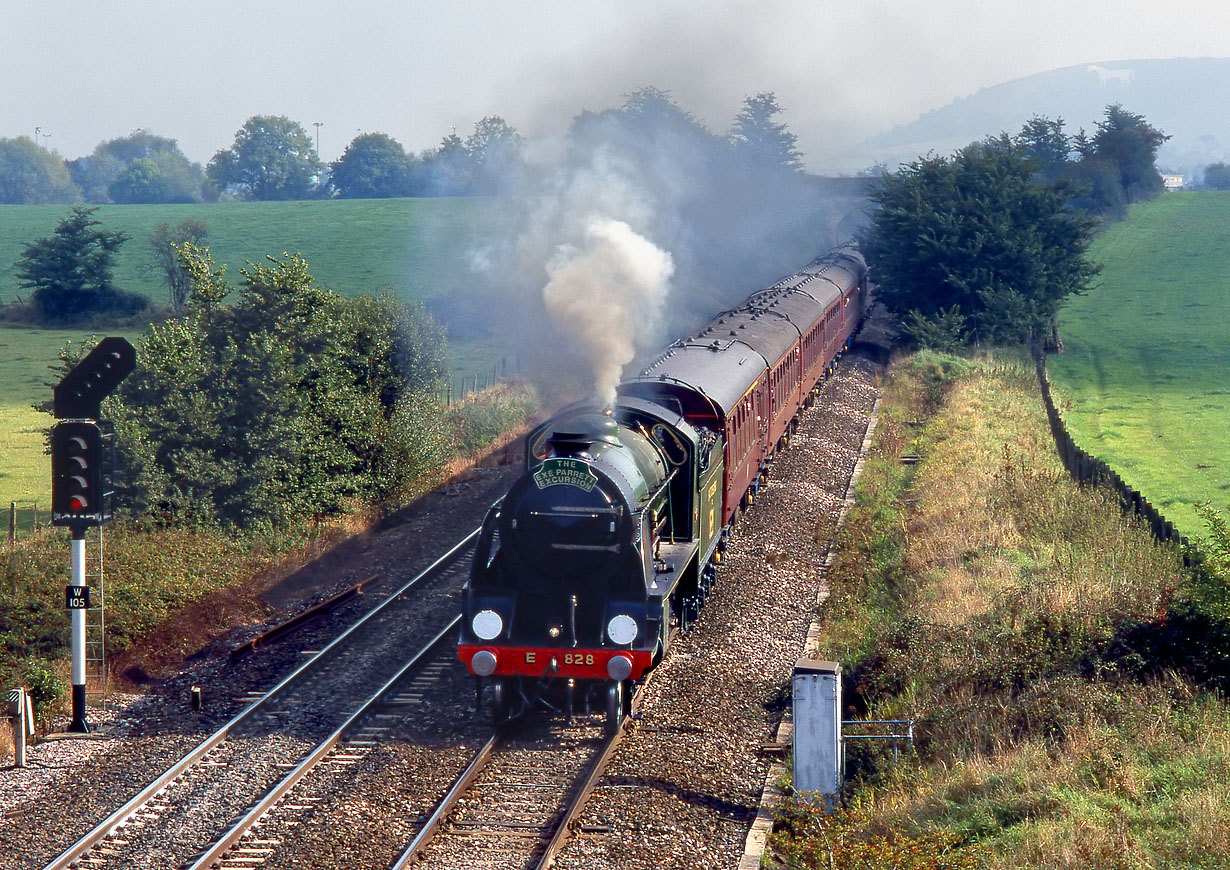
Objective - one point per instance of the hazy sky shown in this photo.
(91, 70)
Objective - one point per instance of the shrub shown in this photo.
(482, 417)
(46, 688)
(810, 838)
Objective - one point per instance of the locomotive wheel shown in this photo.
(614, 706)
(499, 702)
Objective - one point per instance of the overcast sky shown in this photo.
(91, 70)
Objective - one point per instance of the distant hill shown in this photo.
(1188, 98)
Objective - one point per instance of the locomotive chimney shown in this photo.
(577, 434)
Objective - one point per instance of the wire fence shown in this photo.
(458, 388)
(24, 519)
(1089, 469)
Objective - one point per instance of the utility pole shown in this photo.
(318, 125)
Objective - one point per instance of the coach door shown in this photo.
(760, 404)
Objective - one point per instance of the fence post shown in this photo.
(19, 710)
(12, 524)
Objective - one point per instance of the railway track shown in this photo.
(514, 805)
(251, 762)
(246, 843)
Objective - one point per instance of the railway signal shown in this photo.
(82, 390)
(80, 478)
(78, 500)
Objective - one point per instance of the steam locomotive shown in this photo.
(610, 539)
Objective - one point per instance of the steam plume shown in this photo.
(643, 225)
(606, 292)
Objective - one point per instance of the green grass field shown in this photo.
(410, 246)
(1144, 382)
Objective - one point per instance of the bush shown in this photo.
(481, 417)
(944, 331)
(808, 837)
(291, 404)
(46, 688)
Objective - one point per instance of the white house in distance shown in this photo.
(1172, 182)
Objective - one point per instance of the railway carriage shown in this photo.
(609, 540)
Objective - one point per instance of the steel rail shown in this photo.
(411, 855)
(105, 828)
(431, 827)
(213, 855)
(580, 798)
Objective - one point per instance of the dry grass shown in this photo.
(978, 592)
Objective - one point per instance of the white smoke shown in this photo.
(608, 293)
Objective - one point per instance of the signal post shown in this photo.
(81, 458)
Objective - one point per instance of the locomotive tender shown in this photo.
(610, 538)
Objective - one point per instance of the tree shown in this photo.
(446, 171)
(1217, 176)
(167, 245)
(763, 139)
(1125, 140)
(31, 175)
(272, 159)
(94, 174)
(495, 155)
(165, 175)
(1044, 141)
(70, 272)
(977, 236)
(141, 182)
(373, 166)
(290, 403)
(1097, 187)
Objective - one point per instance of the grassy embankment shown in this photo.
(1142, 382)
(409, 246)
(1005, 610)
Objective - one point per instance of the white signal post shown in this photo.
(78, 641)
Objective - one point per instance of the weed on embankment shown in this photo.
(1013, 616)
